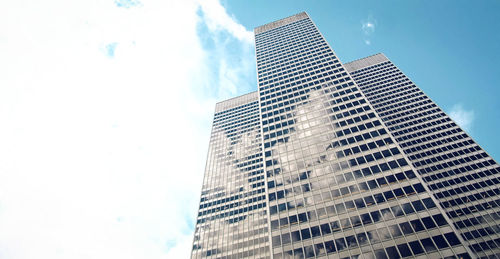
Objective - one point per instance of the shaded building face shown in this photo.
(459, 173)
(314, 164)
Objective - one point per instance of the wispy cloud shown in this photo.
(104, 157)
(127, 3)
(368, 29)
(464, 118)
(109, 49)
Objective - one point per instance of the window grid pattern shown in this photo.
(338, 185)
(460, 174)
(232, 217)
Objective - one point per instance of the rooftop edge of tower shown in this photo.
(236, 101)
(365, 62)
(281, 22)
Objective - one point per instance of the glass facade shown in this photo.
(313, 165)
(458, 172)
(232, 220)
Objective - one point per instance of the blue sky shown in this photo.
(106, 106)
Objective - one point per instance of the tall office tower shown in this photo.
(460, 174)
(232, 220)
(307, 168)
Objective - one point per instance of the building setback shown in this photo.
(340, 161)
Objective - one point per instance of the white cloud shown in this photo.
(105, 118)
(464, 118)
(368, 28)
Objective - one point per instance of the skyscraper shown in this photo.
(341, 161)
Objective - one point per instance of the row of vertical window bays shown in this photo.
(339, 111)
(466, 199)
(277, 131)
(391, 99)
(457, 162)
(472, 210)
(397, 230)
(282, 69)
(230, 214)
(346, 141)
(306, 46)
(225, 153)
(396, 86)
(303, 45)
(359, 148)
(393, 85)
(204, 232)
(478, 232)
(237, 123)
(432, 138)
(487, 245)
(447, 153)
(273, 61)
(365, 219)
(386, 79)
(401, 91)
(318, 84)
(338, 192)
(401, 104)
(230, 244)
(234, 235)
(238, 189)
(232, 112)
(231, 251)
(228, 206)
(429, 141)
(329, 63)
(207, 202)
(281, 32)
(419, 247)
(386, 195)
(444, 123)
(374, 71)
(444, 151)
(384, 72)
(340, 133)
(285, 106)
(360, 161)
(301, 82)
(218, 192)
(301, 64)
(318, 63)
(468, 176)
(325, 68)
(409, 113)
(288, 106)
(244, 164)
(428, 133)
(423, 118)
(283, 36)
(472, 172)
(337, 166)
(226, 173)
(407, 107)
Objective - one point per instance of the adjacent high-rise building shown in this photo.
(328, 160)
